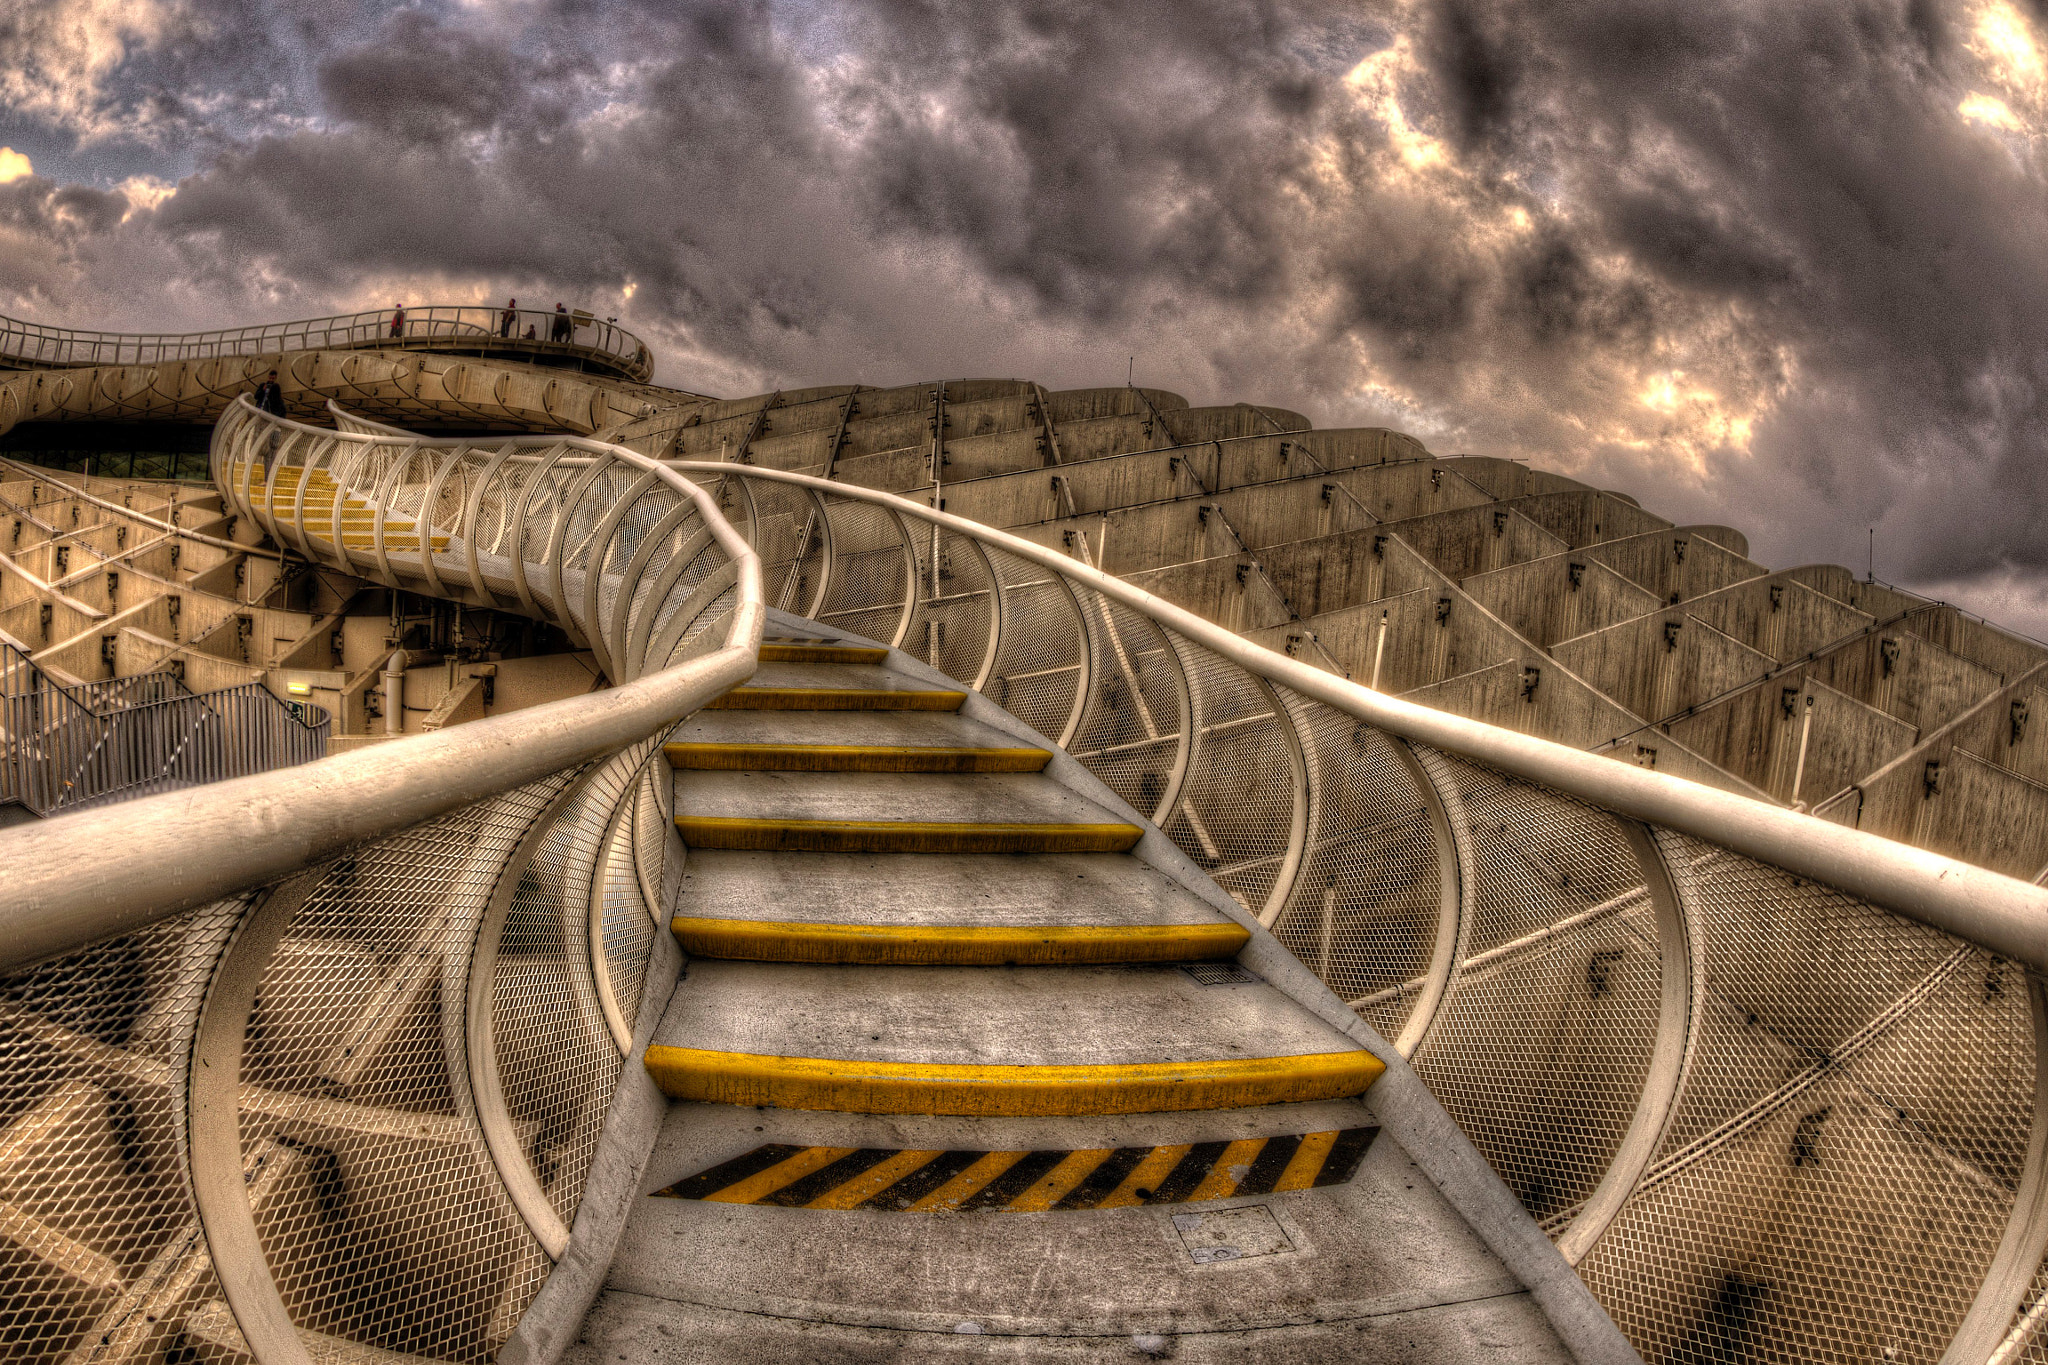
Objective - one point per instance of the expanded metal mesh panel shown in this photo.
(1794, 971)
(401, 1235)
(1365, 909)
(684, 598)
(1242, 792)
(1037, 675)
(100, 1246)
(1136, 720)
(956, 607)
(557, 1061)
(1542, 1046)
(626, 924)
(1846, 1152)
(651, 831)
(870, 575)
(1827, 1222)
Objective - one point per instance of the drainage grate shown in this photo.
(1220, 974)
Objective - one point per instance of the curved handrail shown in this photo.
(2003, 914)
(1697, 981)
(599, 343)
(1634, 993)
(139, 870)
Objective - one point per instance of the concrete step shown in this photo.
(994, 1041)
(819, 650)
(849, 741)
(835, 687)
(943, 910)
(1374, 1267)
(894, 813)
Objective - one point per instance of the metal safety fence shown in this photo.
(599, 343)
(70, 748)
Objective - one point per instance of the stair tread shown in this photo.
(986, 1016)
(886, 798)
(851, 677)
(908, 729)
(935, 889)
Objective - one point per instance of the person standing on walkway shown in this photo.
(562, 330)
(508, 319)
(269, 397)
(398, 321)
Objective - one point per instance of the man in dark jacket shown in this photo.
(270, 397)
(508, 319)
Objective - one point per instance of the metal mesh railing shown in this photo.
(70, 748)
(599, 343)
(1766, 1118)
(377, 1085)
(1746, 1068)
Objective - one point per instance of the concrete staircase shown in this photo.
(955, 1074)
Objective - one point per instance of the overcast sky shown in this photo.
(1780, 265)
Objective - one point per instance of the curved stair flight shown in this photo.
(1049, 973)
(951, 1060)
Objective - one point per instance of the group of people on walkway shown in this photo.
(561, 330)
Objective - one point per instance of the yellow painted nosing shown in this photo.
(933, 945)
(873, 1087)
(902, 836)
(822, 654)
(853, 758)
(834, 699)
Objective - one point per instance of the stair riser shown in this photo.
(936, 946)
(822, 654)
(1005, 1091)
(803, 836)
(833, 699)
(852, 758)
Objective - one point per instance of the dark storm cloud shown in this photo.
(1745, 260)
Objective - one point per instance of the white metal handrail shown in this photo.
(1496, 903)
(1721, 1051)
(272, 824)
(1996, 912)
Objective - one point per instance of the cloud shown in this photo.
(13, 165)
(1781, 268)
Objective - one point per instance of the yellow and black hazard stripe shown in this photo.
(1027, 1182)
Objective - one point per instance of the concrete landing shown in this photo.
(1375, 1269)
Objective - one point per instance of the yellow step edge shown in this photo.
(852, 758)
(921, 945)
(772, 653)
(874, 1087)
(903, 836)
(834, 699)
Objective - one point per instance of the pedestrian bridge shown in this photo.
(930, 947)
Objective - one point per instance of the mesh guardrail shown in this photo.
(71, 748)
(1764, 1117)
